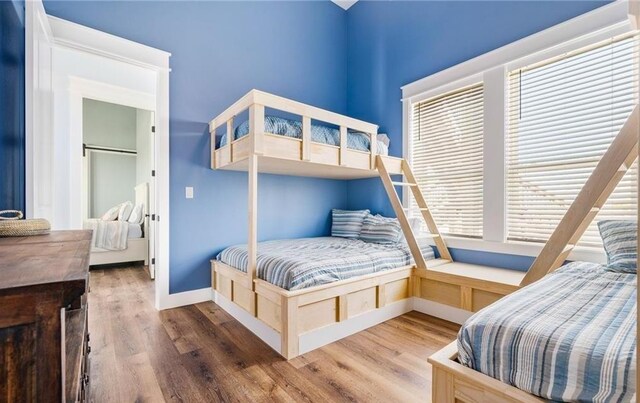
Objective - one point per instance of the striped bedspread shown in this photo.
(294, 264)
(568, 337)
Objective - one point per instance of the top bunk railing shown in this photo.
(256, 102)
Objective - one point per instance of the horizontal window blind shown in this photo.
(447, 159)
(562, 116)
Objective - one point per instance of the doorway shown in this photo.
(118, 177)
(66, 63)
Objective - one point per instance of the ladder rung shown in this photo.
(569, 247)
(428, 236)
(595, 209)
(403, 184)
(415, 209)
(623, 168)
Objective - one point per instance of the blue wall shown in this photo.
(12, 133)
(393, 43)
(221, 50)
(350, 62)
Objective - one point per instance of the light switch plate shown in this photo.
(188, 192)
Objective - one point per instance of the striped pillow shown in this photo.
(347, 223)
(620, 239)
(381, 230)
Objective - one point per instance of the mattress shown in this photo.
(319, 134)
(295, 264)
(134, 231)
(568, 337)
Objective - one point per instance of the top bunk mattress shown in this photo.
(319, 134)
(295, 264)
(568, 337)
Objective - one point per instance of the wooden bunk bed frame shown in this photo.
(294, 322)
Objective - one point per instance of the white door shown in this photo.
(152, 201)
(146, 125)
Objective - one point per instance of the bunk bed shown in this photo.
(296, 320)
(525, 347)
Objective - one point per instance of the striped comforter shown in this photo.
(294, 264)
(568, 337)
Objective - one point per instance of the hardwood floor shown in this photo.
(199, 353)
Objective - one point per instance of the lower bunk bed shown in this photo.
(568, 337)
(305, 286)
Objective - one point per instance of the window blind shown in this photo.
(446, 159)
(562, 116)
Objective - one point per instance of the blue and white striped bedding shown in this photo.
(294, 264)
(319, 134)
(620, 240)
(382, 230)
(568, 337)
(347, 223)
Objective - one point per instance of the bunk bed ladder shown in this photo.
(602, 182)
(411, 182)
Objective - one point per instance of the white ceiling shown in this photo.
(345, 4)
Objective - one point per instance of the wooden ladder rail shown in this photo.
(602, 182)
(426, 213)
(402, 217)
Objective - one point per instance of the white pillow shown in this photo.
(125, 211)
(137, 214)
(111, 214)
(416, 224)
(383, 138)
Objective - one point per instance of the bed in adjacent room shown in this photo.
(118, 238)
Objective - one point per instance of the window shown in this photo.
(563, 114)
(501, 162)
(447, 158)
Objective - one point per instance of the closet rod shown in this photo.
(106, 149)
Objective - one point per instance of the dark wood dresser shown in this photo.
(43, 317)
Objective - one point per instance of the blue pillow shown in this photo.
(381, 230)
(347, 223)
(620, 239)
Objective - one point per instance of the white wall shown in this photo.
(112, 177)
(112, 181)
(109, 125)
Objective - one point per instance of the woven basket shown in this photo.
(11, 224)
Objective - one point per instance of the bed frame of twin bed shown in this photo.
(295, 322)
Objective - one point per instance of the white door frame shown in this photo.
(80, 89)
(83, 39)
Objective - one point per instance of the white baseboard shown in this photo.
(186, 298)
(255, 325)
(446, 312)
(329, 334)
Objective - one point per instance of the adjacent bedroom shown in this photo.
(319, 201)
(117, 151)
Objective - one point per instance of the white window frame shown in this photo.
(491, 69)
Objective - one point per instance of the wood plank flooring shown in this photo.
(199, 353)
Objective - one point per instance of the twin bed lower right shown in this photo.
(568, 337)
